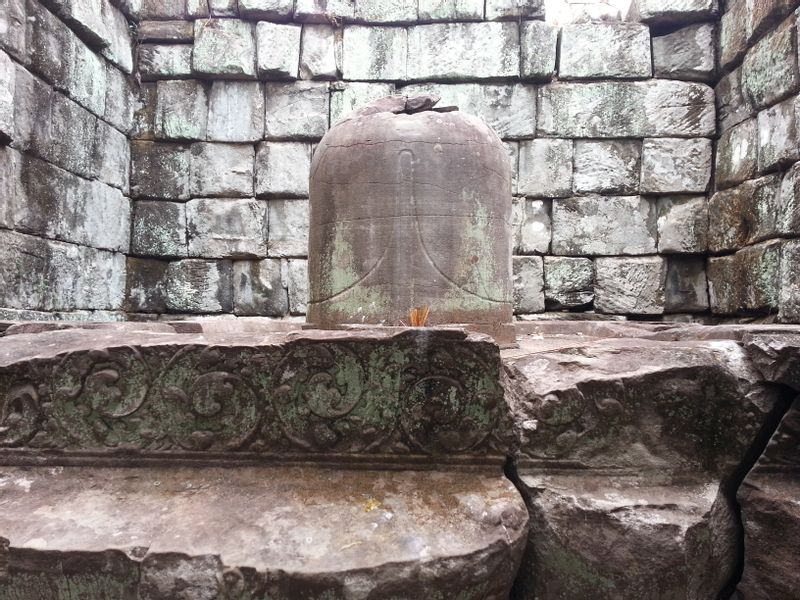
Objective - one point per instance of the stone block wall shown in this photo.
(755, 209)
(66, 110)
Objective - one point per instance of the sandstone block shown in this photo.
(164, 61)
(181, 110)
(385, 11)
(236, 111)
(13, 28)
(320, 57)
(686, 288)
(197, 9)
(144, 112)
(766, 14)
(222, 170)
(530, 222)
(604, 226)
(732, 106)
(514, 9)
(119, 103)
(512, 148)
(322, 11)
(159, 229)
(11, 189)
(159, 170)
(450, 10)
(463, 50)
(568, 282)
(282, 169)
(32, 98)
(374, 53)
(508, 109)
(112, 156)
(278, 54)
(288, 228)
(538, 45)
(607, 166)
(119, 50)
(145, 286)
(272, 10)
(86, 78)
(790, 202)
(770, 70)
(258, 288)
(51, 46)
(748, 213)
(7, 78)
(163, 9)
(746, 282)
(733, 34)
(778, 138)
(84, 17)
(789, 294)
(199, 286)
(297, 281)
(528, 281)
(348, 96)
(687, 54)
(630, 285)
(226, 228)
(166, 32)
(737, 154)
(224, 47)
(674, 11)
(545, 168)
(657, 108)
(605, 50)
(682, 224)
(676, 165)
(296, 110)
(67, 138)
(223, 8)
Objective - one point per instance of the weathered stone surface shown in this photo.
(463, 50)
(538, 45)
(745, 282)
(348, 96)
(605, 50)
(607, 167)
(528, 279)
(658, 108)
(790, 202)
(320, 57)
(514, 9)
(13, 27)
(162, 9)
(278, 55)
(272, 10)
(545, 168)
(224, 47)
(449, 10)
(236, 111)
(120, 48)
(181, 110)
(737, 154)
(778, 138)
(51, 46)
(282, 169)
(119, 104)
(385, 11)
(7, 79)
(512, 150)
(86, 78)
(144, 112)
(676, 165)
(222, 169)
(10, 185)
(112, 156)
(732, 105)
(630, 285)
(604, 226)
(226, 228)
(530, 222)
(223, 8)
(258, 288)
(733, 34)
(145, 286)
(508, 109)
(198, 286)
(683, 224)
(789, 294)
(568, 282)
(374, 53)
(288, 228)
(674, 11)
(164, 61)
(85, 17)
(763, 16)
(688, 53)
(686, 288)
(770, 70)
(748, 213)
(166, 32)
(297, 284)
(159, 229)
(31, 97)
(159, 170)
(296, 110)
(78, 277)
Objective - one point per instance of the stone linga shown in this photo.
(410, 207)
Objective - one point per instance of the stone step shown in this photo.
(203, 533)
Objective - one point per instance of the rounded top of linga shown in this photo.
(410, 218)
